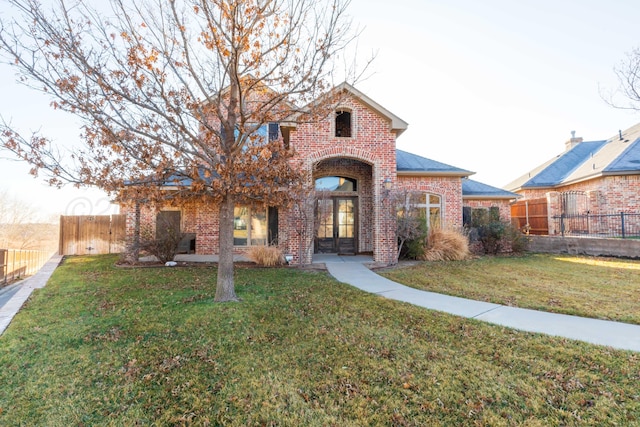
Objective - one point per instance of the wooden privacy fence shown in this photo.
(92, 234)
(531, 214)
(17, 263)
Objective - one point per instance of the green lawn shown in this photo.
(102, 345)
(604, 288)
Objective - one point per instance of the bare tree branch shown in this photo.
(177, 90)
(627, 95)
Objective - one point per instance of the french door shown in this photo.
(337, 225)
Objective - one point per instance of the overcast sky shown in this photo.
(492, 86)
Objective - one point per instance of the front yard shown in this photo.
(603, 288)
(102, 345)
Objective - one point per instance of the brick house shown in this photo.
(353, 159)
(595, 178)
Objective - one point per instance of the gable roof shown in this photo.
(412, 164)
(476, 190)
(397, 124)
(619, 155)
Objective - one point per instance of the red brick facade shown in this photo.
(368, 156)
(603, 195)
(503, 205)
(448, 188)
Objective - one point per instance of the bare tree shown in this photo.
(627, 94)
(22, 226)
(177, 91)
(411, 224)
(306, 209)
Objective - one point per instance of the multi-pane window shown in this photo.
(324, 214)
(430, 207)
(475, 217)
(421, 205)
(250, 226)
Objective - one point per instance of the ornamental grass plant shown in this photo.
(445, 245)
(266, 256)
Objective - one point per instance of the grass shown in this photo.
(603, 288)
(102, 345)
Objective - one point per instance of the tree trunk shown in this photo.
(225, 289)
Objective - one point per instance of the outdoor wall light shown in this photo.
(387, 183)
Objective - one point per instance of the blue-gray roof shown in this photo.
(628, 161)
(406, 162)
(565, 164)
(409, 162)
(471, 188)
(618, 155)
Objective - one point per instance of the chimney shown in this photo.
(573, 141)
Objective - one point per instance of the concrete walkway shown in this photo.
(21, 291)
(623, 336)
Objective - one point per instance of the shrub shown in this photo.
(517, 241)
(266, 256)
(163, 249)
(490, 236)
(412, 236)
(164, 246)
(445, 245)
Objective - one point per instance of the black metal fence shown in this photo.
(621, 225)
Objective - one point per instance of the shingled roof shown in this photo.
(476, 190)
(619, 155)
(412, 164)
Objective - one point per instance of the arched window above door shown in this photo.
(336, 183)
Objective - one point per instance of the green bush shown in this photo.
(490, 236)
(495, 235)
(517, 241)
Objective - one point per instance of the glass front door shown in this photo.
(337, 224)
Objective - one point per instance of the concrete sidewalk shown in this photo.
(618, 335)
(26, 286)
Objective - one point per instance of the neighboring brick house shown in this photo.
(589, 177)
(352, 157)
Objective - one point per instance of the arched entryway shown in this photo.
(343, 215)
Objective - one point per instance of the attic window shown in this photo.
(343, 124)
